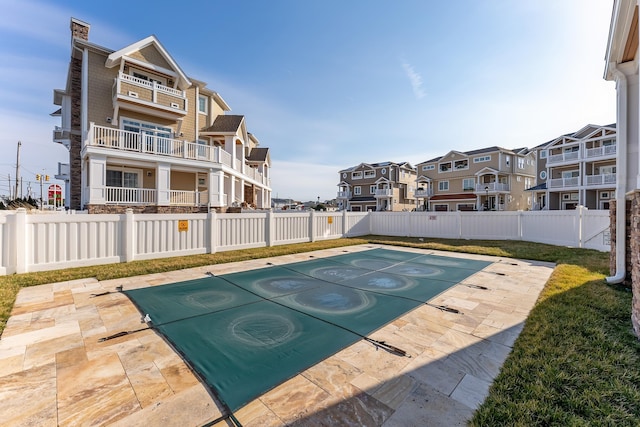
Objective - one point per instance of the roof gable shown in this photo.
(148, 48)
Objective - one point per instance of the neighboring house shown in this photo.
(539, 191)
(386, 186)
(491, 178)
(142, 134)
(581, 168)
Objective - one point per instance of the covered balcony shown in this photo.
(602, 179)
(344, 194)
(155, 145)
(422, 192)
(566, 182)
(149, 97)
(564, 157)
(491, 187)
(384, 192)
(601, 152)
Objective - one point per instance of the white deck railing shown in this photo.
(604, 179)
(48, 242)
(564, 182)
(492, 186)
(607, 150)
(564, 157)
(118, 139)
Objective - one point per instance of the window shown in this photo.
(369, 174)
(543, 154)
(202, 104)
(372, 189)
(570, 174)
(518, 178)
(461, 164)
(607, 170)
(527, 183)
(468, 184)
(571, 149)
(507, 160)
(520, 162)
(543, 174)
(443, 186)
(444, 167)
(123, 178)
(608, 143)
(383, 171)
(142, 76)
(356, 175)
(428, 167)
(481, 159)
(156, 138)
(357, 190)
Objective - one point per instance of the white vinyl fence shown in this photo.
(39, 242)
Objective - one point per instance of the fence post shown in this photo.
(344, 223)
(128, 237)
(269, 229)
(213, 227)
(20, 240)
(312, 226)
(579, 211)
(459, 216)
(520, 225)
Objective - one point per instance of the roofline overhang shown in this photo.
(621, 19)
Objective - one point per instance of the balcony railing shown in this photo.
(147, 196)
(135, 89)
(564, 157)
(564, 182)
(423, 192)
(604, 179)
(492, 186)
(123, 140)
(607, 150)
(123, 195)
(344, 194)
(384, 192)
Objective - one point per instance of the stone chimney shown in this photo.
(79, 29)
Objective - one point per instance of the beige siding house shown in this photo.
(386, 186)
(142, 134)
(491, 178)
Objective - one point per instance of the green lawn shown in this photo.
(576, 363)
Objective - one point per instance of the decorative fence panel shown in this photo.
(38, 242)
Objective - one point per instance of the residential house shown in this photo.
(581, 168)
(386, 186)
(142, 134)
(491, 178)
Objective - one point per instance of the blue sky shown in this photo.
(330, 84)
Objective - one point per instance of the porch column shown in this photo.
(163, 184)
(240, 190)
(231, 190)
(97, 180)
(216, 188)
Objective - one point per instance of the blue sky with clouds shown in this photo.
(330, 84)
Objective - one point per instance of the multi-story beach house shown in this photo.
(385, 186)
(580, 168)
(142, 134)
(491, 178)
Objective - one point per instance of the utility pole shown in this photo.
(18, 170)
(10, 198)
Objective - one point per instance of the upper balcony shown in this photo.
(134, 142)
(603, 179)
(149, 97)
(64, 172)
(568, 182)
(491, 187)
(62, 136)
(421, 193)
(598, 152)
(344, 195)
(566, 157)
(384, 192)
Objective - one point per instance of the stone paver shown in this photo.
(55, 371)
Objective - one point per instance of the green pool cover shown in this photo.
(245, 333)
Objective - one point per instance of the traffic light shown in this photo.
(37, 177)
(46, 178)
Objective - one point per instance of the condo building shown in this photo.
(144, 135)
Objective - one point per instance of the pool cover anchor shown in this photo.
(118, 289)
(387, 347)
(444, 308)
(146, 319)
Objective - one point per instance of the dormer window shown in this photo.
(369, 174)
(444, 167)
(461, 164)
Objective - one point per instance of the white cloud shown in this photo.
(415, 79)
